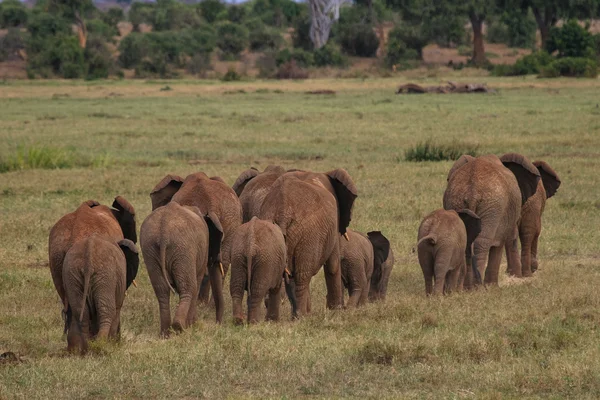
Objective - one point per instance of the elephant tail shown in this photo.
(163, 264)
(430, 240)
(249, 251)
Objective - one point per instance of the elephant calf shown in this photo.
(382, 265)
(96, 273)
(444, 248)
(258, 261)
(178, 243)
(359, 255)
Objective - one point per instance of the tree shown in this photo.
(323, 14)
(75, 10)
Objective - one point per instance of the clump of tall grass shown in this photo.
(429, 151)
(44, 157)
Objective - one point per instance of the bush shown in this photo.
(359, 40)
(11, 43)
(267, 65)
(141, 13)
(405, 43)
(265, 38)
(173, 15)
(448, 30)
(300, 57)
(113, 16)
(102, 29)
(231, 76)
(528, 65)
(236, 13)
(12, 14)
(329, 55)
(210, 9)
(133, 48)
(199, 64)
(571, 40)
(291, 70)
(98, 58)
(428, 151)
(578, 67)
(301, 34)
(232, 38)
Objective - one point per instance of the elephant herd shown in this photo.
(276, 229)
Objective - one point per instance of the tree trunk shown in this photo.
(478, 47)
(544, 22)
(81, 30)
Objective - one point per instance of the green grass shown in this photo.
(430, 151)
(537, 339)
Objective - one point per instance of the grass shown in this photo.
(429, 151)
(536, 338)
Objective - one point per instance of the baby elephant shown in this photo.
(178, 243)
(361, 256)
(258, 262)
(96, 273)
(444, 248)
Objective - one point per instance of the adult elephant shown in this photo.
(313, 211)
(89, 218)
(530, 225)
(494, 189)
(210, 195)
(253, 186)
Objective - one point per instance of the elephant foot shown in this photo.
(238, 320)
(178, 326)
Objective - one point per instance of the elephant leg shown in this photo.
(182, 311)
(74, 335)
(255, 299)
(452, 280)
(106, 312)
(192, 316)
(274, 303)
(204, 292)
(237, 287)
(302, 298)
(115, 327)
(526, 245)
(333, 279)
(164, 305)
(440, 280)
(534, 252)
(427, 263)
(216, 283)
(491, 273)
(479, 262)
(513, 260)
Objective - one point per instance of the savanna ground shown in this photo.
(536, 338)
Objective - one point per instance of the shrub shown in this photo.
(56, 55)
(232, 38)
(231, 76)
(571, 40)
(210, 9)
(301, 35)
(199, 40)
(141, 13)
(329, 55)
(113, 16)
(265, 38)
(291, 70)
(428, 151)
(405, 42)
(267, 65)
(359, 40)
(199, 64)
(11, 43)
(133, 48)
(236, 13)
(579, 67)
(98, 58)
(12, 14)
(102, 29)
(300, 57)
(526, 65)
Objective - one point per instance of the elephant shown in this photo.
(252, 188)
(494, 189)
(258, 263)
(211, 196)
(530, 225)
(444, 244)
(178, 243)
(313, 210)
(96, 272)
(90, 217)
(383, 263)
(357, 267)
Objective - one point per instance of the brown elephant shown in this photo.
(258, 263)
(211, 196)
(253, 186)
(178, 243)
(96, 272)
(530, 225)
(495, 190)
(313, 210)
(383, 263)
(90, 217)
(444, 244)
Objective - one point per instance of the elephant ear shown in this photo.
(526, 173)
(243, 179)
(550, 178)
(217, 178)
(215, 235)
(381, 251)
(132, 258)
(472, 225)
(125, 215)
(346, 193)
(465, 158)
(165, 190)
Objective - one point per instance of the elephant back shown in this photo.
(255, 192)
